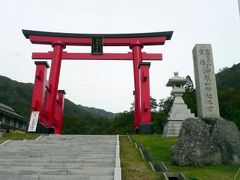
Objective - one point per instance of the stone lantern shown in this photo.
(179, 111)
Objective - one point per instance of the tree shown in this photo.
(153, 104)
(189, 98)
(132, 107)
(229, 101)
(165, 105)
(189, 87)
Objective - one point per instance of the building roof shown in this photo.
(10, 112)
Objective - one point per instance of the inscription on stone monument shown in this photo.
(206, 89)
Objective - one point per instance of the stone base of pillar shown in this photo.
(172, 128)
(146, 128)
(45, 130)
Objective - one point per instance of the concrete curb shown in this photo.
(156, 167)
(117, 170)
(5, 142)
(39, 137)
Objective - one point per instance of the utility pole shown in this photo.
(239, 6)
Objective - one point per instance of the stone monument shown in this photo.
(209, 139)
(206, 89)
(179, 111)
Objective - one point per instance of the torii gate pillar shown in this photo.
(39, 89)
(137, 59)
(145, 125)
(53, 82)
(59, 112)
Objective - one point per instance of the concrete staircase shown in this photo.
(62, 157)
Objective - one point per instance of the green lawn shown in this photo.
(133, 166)
(160, 149)
(18, 136)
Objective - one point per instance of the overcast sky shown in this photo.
(109, 84)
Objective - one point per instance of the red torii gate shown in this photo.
(48, 100)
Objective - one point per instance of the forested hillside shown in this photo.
(229, 93)
(18, 96)
(228, 78)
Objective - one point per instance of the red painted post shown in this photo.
(137, 58)
(145, 126)
(53, 82)
(39, 87)
(59, 112)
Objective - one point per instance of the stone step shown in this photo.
(25, 143)
(54, 177)
(54, 151)
(61, 148)
(56, 160)
(55, 165)
(94, 171)
(67, 144)
(59, 157)
(19, 151)
(79, 150)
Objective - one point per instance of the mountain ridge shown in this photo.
(18, 95)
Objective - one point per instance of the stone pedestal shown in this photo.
(145, 128)
(179, 111)
(205, 142)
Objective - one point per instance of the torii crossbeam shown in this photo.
(46, 97)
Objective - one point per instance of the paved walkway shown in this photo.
(62, 157)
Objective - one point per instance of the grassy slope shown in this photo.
(133, 166)
(160, 149)
(18, 136)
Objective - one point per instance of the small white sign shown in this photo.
(33, 121)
